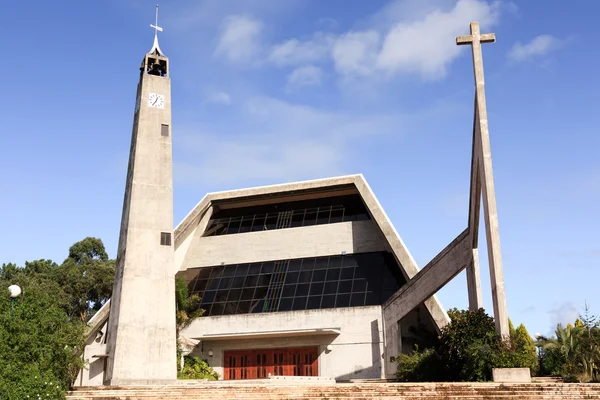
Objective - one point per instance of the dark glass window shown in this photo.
(303, 284)
(165, 238)
(287, 215)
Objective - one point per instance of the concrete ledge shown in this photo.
(268, 334)
(307, 380)
(140, 382)
(511, 375)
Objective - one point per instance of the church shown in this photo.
(307, 279)
(295, 279)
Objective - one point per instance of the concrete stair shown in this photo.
(341, 391)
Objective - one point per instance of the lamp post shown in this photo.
(15, 291)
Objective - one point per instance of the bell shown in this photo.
(155, 69)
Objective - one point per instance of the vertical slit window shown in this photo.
(164, 130)
(165, 238)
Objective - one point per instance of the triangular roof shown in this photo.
(188, 226)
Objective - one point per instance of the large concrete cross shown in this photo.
(473, 273)
(462, 252)
(482, 178)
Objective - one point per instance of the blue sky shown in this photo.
(267, 91)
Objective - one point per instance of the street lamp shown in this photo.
(15, 291)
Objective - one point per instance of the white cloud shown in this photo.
(539, 46)
(426, 46)
(219, 98)
(257, 160)
(276, 141)
(355, 52)
(308, 75)
(295, 52)
(405, 37)
(566, 313)
(239, 40)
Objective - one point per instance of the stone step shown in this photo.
(315, 397)
(350, 391)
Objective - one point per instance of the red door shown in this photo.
(258, 364)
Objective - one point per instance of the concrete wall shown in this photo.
(183, 247)
(281, 244)
(356, 352)
(93, 372)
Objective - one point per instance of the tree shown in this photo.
(590, 343)
(87, 250)
(574, 352)
(187, 310)
(39, 343)
(511, 328)
(42, 331)
(8, 271)
(87, 275)
(524, 348)
(565, 342)
(188, 307)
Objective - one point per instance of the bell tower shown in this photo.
(141, 343)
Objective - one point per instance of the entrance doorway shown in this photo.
(258, 364)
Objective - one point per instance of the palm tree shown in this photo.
(576, 347)
(565, 342)
(187, 310)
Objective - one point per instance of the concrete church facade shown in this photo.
(298, 279)
(301, 273)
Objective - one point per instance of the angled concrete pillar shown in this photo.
(141, 342)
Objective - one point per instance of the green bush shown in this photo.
(39, 343)
(419, 366)
(467, 346)
(195, 368)
(467, 350)
(28, 381)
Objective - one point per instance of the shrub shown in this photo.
(467, 346)
(467, 350)
(195, 368)
(419, 366)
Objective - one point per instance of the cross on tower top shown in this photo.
(156, 27)
(155, 47)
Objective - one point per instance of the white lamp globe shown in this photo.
(14, 290)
